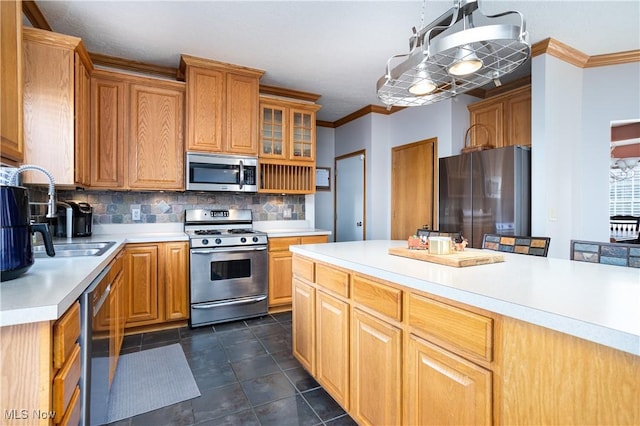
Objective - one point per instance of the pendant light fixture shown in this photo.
(452, 55)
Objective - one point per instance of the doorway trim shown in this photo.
(362, 152)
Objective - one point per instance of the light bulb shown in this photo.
(422, 84)
(466, 62)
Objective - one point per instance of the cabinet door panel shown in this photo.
(304, 298)
(332, 346)
(205, 100)
(375, 371)
(444, 389)
(273, 125)
(518, 110)
(49, 111)
(156, 148)
(280, 265)
(11, 77)
(176, 278)
(142, 271)
(490, 131)
(303, 135)
(242, 114)
(107, 133)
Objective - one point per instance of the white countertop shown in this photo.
(288, 228)
(52, 284)
(599, 303)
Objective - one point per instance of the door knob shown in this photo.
(358, 223)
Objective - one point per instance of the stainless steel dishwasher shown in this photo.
(94, 383)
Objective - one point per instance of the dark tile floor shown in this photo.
(246, 375)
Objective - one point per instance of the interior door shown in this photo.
(349, 212)
(413, 188)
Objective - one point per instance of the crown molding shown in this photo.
(125, 64)
(613, 59)
(561, 51)
(289, 93)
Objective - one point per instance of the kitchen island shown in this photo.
(528, 340)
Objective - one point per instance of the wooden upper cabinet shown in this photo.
(11, 78)
(503, 120)
(55, 106)
(242, 114)
(287, 129)
(156, 148)
(518, 116)
(205, 100)
(107, 131)
(137, 129)
(222, 106)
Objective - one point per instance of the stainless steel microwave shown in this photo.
(212, 172)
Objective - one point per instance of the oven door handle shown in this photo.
(242, 301)
(227, 250)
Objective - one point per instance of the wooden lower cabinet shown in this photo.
(142, 276)
(332, 346)
(157, 278)
(443, 388)
(280, 267)
(303, 319)
(419, 359)
(375, 371)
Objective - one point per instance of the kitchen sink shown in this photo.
(75, 249)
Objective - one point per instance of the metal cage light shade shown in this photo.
(438, 49)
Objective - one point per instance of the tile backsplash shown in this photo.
(165, 207)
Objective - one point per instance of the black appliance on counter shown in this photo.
(82, 216)
(15, 232)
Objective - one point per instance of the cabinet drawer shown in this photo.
(469, 333)
(314, 239)
(378, 296)
(66, 381)
(65, 334)
(72, 416)
(332, 278)
(303, 268)
(280, 244)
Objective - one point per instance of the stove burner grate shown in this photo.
(207, 232)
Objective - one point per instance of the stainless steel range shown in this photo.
(228, 268)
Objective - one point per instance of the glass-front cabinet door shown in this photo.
(302, 135)
(273, 124)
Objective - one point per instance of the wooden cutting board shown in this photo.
(469, 257)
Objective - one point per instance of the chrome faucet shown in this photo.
(13, 180)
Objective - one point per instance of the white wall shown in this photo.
(609, 93)
(556, 135)
(325, 155)
(572, 109)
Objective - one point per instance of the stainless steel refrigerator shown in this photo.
(486, 192)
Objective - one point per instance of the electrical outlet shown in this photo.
(135, 214)
(287, 214)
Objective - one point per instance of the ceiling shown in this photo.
(337, 49)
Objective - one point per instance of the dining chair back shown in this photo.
(535, 246)
(619, 254)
